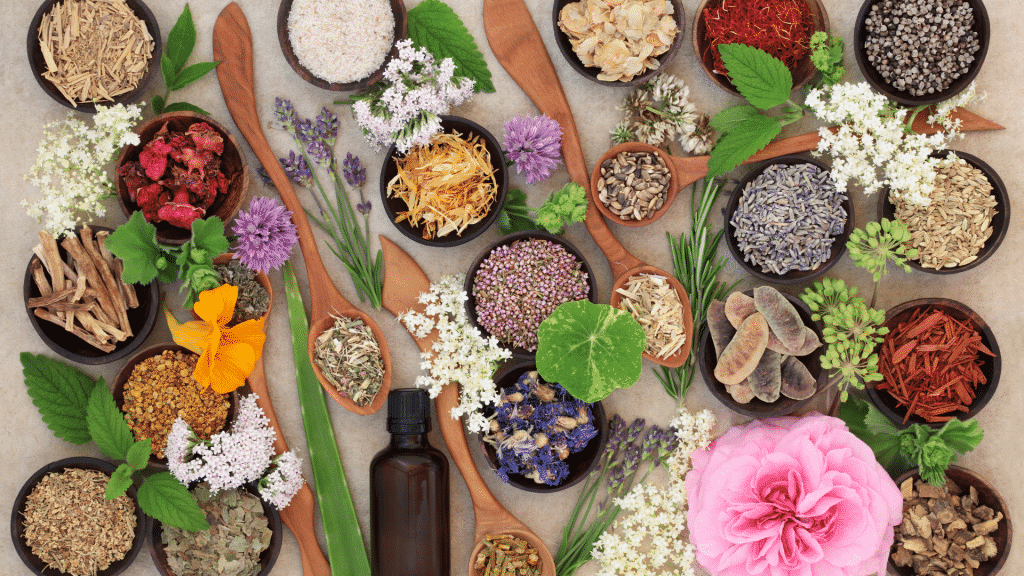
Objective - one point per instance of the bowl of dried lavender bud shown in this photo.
(62, 522)
(518, 281)
(965, 222)
(921, 52)
(962, 527)
(788, 223)
(88, 52)
(541, 438)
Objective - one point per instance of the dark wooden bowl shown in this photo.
(1000, 222)
(793, 276)
(591, 72)
(580, 463)
(991, 367)
(38, 63)
(981, 26)
(37, 566)
(988, 496)
(392, 206)
(521, 353)
(804, 71)
(233, 165)
(67, 345)
(400, 33)
(267, 559)
(756, 408)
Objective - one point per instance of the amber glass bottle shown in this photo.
(409, 494)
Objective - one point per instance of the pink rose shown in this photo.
(791, 497)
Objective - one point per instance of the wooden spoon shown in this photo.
(517, 45)
(232, 46)
(400, 295)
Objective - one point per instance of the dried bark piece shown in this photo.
(797, 381)
(781, 316)
(719, 327)
(766, 379)
(744, 351)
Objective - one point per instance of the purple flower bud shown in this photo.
(634, 430)
(296, 168)
(355, 172)
(264, 176)
(284, 112)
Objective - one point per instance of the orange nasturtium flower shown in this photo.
(226, 355)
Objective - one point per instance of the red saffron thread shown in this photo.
(781, 28)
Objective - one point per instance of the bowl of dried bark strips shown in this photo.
(761, 353)
(88, 52)
(62, 522)
(960, 528)
(965, 222)
(84, 312)
(939, 361)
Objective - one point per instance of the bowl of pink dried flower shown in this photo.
(185, 167)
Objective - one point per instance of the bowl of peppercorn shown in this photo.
(921, 52)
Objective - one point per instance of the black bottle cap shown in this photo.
(408, 411)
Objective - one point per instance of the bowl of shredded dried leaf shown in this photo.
(449, 191)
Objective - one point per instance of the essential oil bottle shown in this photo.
(409, 503)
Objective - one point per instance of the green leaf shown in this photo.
(590, 349)
(165, 499)
(208, 235)
(180, 42)
(157, 104)
(185, 107)
(853, 413)
(961, 436)
(61, 393)
(878, 423)
(107, 425)
(138, 454)
(166, 70)
(134, 242)
(192, 73)
(728, 119)
(436, 27)
(119, 481)
(760, 77)
(746, 139)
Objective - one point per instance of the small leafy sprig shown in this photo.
(564, 207)
(515, 215)
(180, 42)
(435, 26)
(878, 244)
(827, 57)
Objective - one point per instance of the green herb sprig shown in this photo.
(562, 208)
(180, 42)
(827, 57)
(878, 244)
(436, 27)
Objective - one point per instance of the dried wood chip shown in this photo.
(655, 304)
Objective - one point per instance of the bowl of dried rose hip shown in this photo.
(939, 361)
(186, 166)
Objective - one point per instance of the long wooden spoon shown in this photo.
(232, 46)
(400, 295)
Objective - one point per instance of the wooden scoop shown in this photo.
(517, 45)
(232, 46)
(400, 295)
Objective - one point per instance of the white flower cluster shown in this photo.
(460, 353)
(663, 111)
(283, 481)
(871, 134)
(71, 166)
(417, 91)
(647, 537)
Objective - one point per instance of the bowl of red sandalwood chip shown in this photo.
(939, 361)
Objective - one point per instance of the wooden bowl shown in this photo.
(988, 496)
(392, 206)
(400, 33)
(803, 72)
(233, 165)
(591, 72)
(67, 345)
(521, 353)
(580, 463)
(683, 353)
(756, 408)
(671, 190)
(37, 566)
(836, 251)
(991, 367)
(1000, 222)
(981, 26)
(37, 62)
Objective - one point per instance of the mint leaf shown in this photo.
(180, 42)
(728, 119)
(119, 481)
(760, 77)
(138, 454)
(192, 73)
(746, 138)
(436, 27)
(134, 242)
(61, 393)
(165, 499)
(185, 107)
(107, 425)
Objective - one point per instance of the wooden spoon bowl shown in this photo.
(676, 360)
(321, 325)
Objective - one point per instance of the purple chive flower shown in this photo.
(534, 145)
(296, 168)
(265, 233)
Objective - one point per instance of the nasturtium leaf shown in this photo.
(119, 481)
(167, 500)
(747, 137)
(138, 454)
(107, 425)
(760, 77)
(61, 393)
(436, 27)
(134, 242)
(590, 349)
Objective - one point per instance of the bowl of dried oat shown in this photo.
(68, 71)
(966, 221)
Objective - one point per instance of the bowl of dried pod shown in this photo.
(81, 63)
(960, 528)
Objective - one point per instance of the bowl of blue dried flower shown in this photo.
(541, 438)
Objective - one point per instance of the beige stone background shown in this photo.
(992, 289)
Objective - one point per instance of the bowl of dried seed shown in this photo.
(61, 517)
(80, 62)
(633, 185)
(921, 52)
(788, 223)
(965, 222)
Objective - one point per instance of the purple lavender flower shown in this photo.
(355, 172)
(265, 233)
(285, 115)
(634, 430)
(264, 176)
(534, 145)
(320, 136)
(296, 168)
